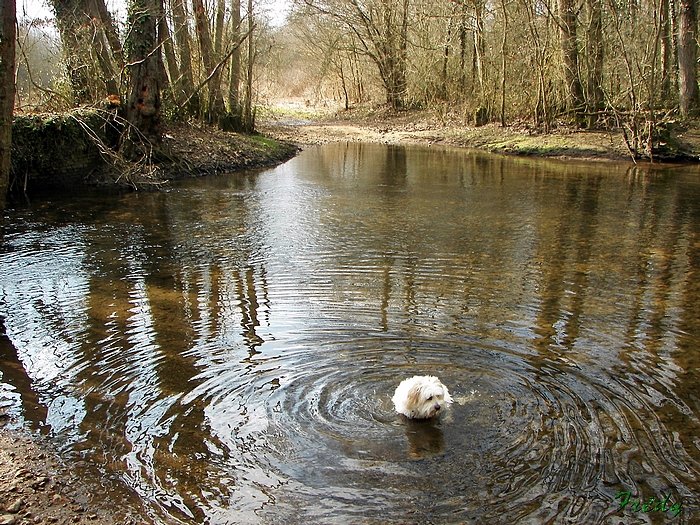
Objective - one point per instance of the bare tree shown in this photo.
(688, 57)
(594, 52)
(184, 86)
(248, 115)
(7, 90)
(504, 62)
(235, 108)
(75, 41)
(209, 59)
(165, 41)
(667, 52)
(381, 27)
(89, 38)
(145, 71)
(568, 23)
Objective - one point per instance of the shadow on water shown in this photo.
(226, 351)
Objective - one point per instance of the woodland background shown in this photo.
(630, 64)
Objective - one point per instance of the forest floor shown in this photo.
(306, 127)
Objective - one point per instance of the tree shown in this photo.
(165, 40)
(668, 54)
(235, 108)
(594, 52)
(7, 90)
(183, 87)
(569, 50)
(504, 62)
(688, 57)
(210, 60)
(76, 48)
(248, 123)
(145, 70)
(88, 37)
(381, 27)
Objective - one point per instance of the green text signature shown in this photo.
(650, 505)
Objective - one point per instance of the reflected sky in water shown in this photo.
(226, 351)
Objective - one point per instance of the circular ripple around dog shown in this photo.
(522, 436)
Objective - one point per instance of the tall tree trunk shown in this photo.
(7, 90)
(503, 63)
(391, 50)
(206, 47)
(184, 87)
(99, 9)
(463, 47)
(88, 36)
(219, 28)
(402, 83)
(667, 55)
(106, 45)
(216, 96)
(595, 59)
(443, 88)
(145, 69)
(688, 57)
(248, 116)
(541, 109)
(479, 68)
(76, 46)
(234, 100)
(165, 40)
(569, 49)
(104, 59)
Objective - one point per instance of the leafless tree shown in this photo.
(7, 90)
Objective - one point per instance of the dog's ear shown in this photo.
(446, 395)
(413, 395)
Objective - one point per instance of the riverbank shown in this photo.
(75, 149)
(36, 487)
(307, 128)
(66, 151)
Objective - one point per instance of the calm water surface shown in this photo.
(226, 352)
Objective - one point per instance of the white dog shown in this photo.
(421, 397)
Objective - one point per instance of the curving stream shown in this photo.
(226, 352)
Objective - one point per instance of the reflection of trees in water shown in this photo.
(158, 300)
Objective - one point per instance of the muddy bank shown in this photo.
(202, 150)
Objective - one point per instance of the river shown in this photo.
(226, 351)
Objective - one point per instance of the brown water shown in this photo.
(226, 352)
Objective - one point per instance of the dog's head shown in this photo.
(421, 397)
